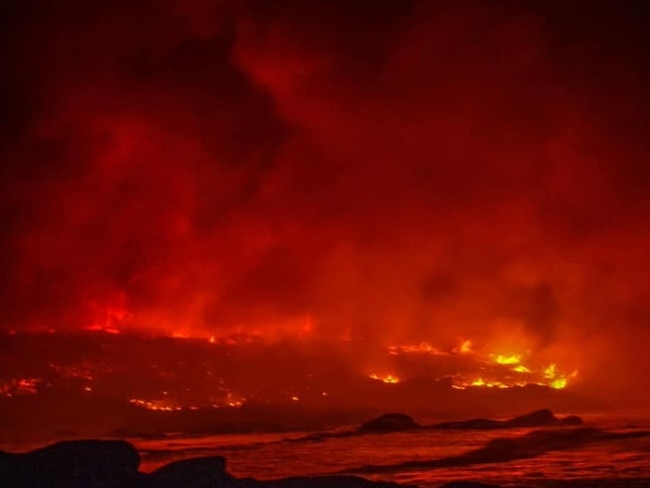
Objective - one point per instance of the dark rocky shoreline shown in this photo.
(114, 464)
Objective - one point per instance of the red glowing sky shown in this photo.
(386, 171)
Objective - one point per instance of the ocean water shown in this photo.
(607, 451)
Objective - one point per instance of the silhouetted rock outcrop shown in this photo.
(196, 472)
(326, 482)
(468, 484)
(87, 463)
(570, 421)
(469, 424)
(538, 418)
(390, 422)
(395, 422)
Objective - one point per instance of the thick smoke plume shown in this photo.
(388, 172)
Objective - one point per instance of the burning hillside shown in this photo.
(170, 374)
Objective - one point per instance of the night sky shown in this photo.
(381, 171)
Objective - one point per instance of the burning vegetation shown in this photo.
(169, 374)
(490, 370)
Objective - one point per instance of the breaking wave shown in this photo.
(504, 449)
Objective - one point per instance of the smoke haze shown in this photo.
(387, 172)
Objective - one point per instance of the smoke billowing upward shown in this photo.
(382, 171)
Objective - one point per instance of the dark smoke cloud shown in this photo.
(386, 171)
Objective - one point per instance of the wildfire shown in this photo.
(498, 370)
(520, 368)
(158, 405)
(389, 378)
(169, 406)
(421, 348)
(167, 385)
(465, 347)
(559, 383)
(556, 379)
(548, 376)
(550, 372)
(20, 386)
(490, 384)
(507, 358)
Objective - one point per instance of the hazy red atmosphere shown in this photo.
(369, 175)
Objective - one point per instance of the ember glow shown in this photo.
(453, 192)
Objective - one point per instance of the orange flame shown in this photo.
(466, 347)
(389, 378)
(507, 358)
(496, 377)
